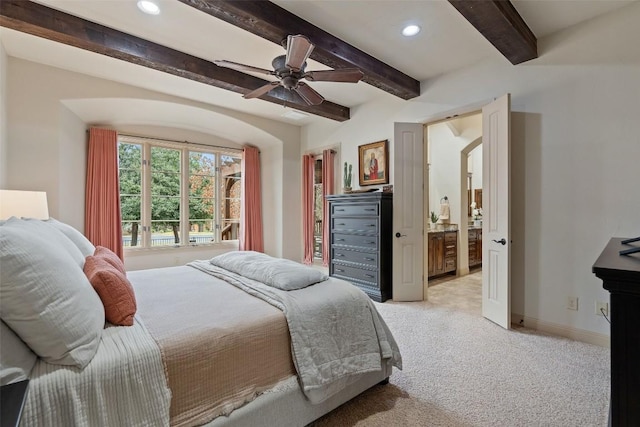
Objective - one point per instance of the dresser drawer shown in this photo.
(347, 272)
(450, 237)
(449, 264)
(346, 255)
(450, 250)
(350, 209)
(356, 225)
(368, 242)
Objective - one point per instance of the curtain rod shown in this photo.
(180, 142)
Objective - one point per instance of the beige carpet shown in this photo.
(462, 370)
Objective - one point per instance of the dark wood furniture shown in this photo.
(620, 275)
(442, 252)
(361, 241)
(12, 399)
(475, 247)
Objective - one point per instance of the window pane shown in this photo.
(230, 192)
(131, 234)
(165, 184)
(202, 163)
(130, 179)
(165, 159)
(165, 233)
(202, 197)
(201, 232)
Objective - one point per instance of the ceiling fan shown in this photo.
(290, 69)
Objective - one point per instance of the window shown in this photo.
(175, 194)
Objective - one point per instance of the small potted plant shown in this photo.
(347, 177)
(434, 219)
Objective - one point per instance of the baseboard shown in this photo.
(561, 330)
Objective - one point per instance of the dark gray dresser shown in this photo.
(360, 238)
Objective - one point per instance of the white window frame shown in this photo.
(145, 215)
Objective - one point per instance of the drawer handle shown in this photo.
(340, 255)
(370, 275)
(342, 223)
(340, 270)
(371, 242)
(339, 240)
(372, 225)
(341, 210)
(370, 209)
(369, 259)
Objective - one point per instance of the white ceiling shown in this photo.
(447, 42)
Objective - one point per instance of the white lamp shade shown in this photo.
(23, 204)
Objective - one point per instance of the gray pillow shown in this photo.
(63, 242)
(279, 273)
(45, 296)
(79, 239)
(16, 358)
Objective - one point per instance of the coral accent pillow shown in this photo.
(113, 288)
(111, 257)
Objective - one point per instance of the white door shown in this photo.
(408, 247)
(496, 230)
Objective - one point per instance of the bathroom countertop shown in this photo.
(448, 227)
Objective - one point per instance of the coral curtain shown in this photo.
(102, 195)
(251, 233)
(308, 217)
(328, 157)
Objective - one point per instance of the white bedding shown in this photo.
(336, 331)
(123, 385)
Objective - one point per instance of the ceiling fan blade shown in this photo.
(261, 90)
(241, 67)
(298, 50)
(346, 75)
(309, 95)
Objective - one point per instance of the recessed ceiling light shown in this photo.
(148, 7)
(410, 30)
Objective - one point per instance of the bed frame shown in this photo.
(288, 407)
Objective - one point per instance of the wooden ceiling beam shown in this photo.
(500, 23)
(42, 21)
(272, 22)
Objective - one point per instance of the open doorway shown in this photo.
(454, 247)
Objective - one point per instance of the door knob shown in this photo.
(398, 235)
(501, 241)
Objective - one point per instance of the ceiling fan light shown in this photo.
(410, 30)
(148, 7)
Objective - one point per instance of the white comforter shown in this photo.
(336, 331)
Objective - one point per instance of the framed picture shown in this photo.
(374, 163)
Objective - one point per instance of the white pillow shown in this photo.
(65, 243)
(16, 359)
(79, 239)
(45, 296)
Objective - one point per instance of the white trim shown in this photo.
(561, 330)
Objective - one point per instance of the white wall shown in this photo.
(47, 151)
(575, 150)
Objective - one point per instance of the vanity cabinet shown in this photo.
(360, 239)
(442, 252)
(475, 247)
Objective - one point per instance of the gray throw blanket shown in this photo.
(336, 331)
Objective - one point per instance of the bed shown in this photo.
(242, 339)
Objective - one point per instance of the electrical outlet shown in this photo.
(572, 303)
(602, 308)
